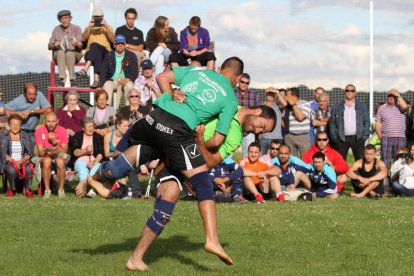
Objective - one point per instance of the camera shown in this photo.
(404, 155)
(97, 22)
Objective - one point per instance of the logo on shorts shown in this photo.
(149, 119)
(193, 151)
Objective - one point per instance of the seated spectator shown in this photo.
(52, 146)
(29, 107)
(112, 138)
(194, 47)
(320, 116)
(98, 36)
(273, 152)
(66, 44)
(367, 175)
(402, 173)
(134, 36)
(260, 188)
(322, 177)
(162, 41)
(102, 114)
(228, 175)
(291, 166)
(119, 71)
(147, 84)
(16, 150)
(3, 117)
(276, 134)
(135, 110)
(87, 149)
(70, 116)
(332, 158)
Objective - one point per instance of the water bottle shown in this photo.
(129, 193)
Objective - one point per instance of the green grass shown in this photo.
(95, 237)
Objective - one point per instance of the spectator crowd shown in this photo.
(288, 144)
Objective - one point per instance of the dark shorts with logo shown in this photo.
(169, 137)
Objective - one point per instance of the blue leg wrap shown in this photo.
(161, 215)
(203, 186)
(116, 169)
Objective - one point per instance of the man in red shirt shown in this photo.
(333, 158)
(257, 186)
(52, 146)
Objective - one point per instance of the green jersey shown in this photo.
(233, 139)
(209, 95)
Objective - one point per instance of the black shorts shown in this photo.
(182, 60)
(379, 189)
(170, 137)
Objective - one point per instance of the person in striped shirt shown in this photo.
(390, 125)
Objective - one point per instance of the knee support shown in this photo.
(161, 215)
(203, 186)
(115, 169)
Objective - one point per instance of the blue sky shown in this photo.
(283, 43)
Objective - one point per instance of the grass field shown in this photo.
(95, 237)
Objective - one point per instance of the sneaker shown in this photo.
(47, 194)
(281, 197)
(94, 85)
(240, 199)
(9, 193)
(61, 194)
(91, 194)
(28, 193)
(259, 199)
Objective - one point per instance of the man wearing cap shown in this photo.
(390, 125)
(98, 36)
(134, 36)
(66, 44)
(119, 71)
(147, 84)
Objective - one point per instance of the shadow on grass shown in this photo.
(171, 247)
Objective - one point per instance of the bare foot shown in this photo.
(81, 189)
(136, 265)
(353, 195)
(219, 252)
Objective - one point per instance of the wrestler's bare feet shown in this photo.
(136, 265)
(81, 189)
(217, 250)
(354, 195)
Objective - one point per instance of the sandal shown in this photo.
(94, 85)
(81, 72)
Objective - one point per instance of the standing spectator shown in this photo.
(194, 45)
(66, 44)
(87, 149)
(320, 116)
(349, 124)
(390, 125)
(246, 98)
(298, 113)
(98, 36)
(134, 36)
(276, 133)
(314, 104)
(147, 84)
(16, 150)
(119, 71)
(402, 173)
(52, 146)
(102, 114)
(29, 107)
(367, 175)
(70, 116)
(162, 41)
(273, 151)
(332, 158)
(135, 110)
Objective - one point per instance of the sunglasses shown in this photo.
(350, 90)
(245, 82)
(272, 148)
(133, 96)
(322, 139)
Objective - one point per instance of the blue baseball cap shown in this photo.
(120, 39)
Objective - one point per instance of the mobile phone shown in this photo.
(97, 22)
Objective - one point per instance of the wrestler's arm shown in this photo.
(165, 80)
(212, 158)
